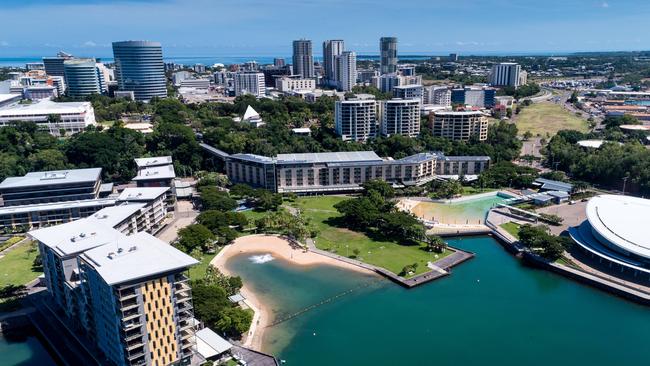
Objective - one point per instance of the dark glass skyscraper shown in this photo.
(388, 51)
(139, 68)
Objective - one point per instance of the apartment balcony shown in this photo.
(185, 315)
(133, 333)
(129, 325)
(184, 306)
(187, 333)
(130, 314)
(186, 343)
(135, 354)
(134, 344)
(126, 294)
(128, 304)
(183, 297)
(139, 362)
(182, 287)
(181, 278)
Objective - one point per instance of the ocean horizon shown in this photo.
(20, 61)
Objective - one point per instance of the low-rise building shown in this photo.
(336, 172)
(287, 84)
(71, 117)
(157, 172)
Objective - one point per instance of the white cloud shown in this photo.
(89, 44)
(4, 44)
(604, 4)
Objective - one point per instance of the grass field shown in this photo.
(16, 265)
(543, 118)
(512, 228)
(386, 254)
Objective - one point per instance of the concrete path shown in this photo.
(184, 215)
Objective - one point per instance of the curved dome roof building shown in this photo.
(617, 229)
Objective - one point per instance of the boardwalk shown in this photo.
(442, 266)
(253, 358)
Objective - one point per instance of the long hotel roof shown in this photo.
(329, 157)
(45, 107)
(622, 220)
(69, 176)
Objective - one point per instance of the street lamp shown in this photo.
(625, 181)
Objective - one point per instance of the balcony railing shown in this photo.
(133, 356)
(128, 325)
(130, 314)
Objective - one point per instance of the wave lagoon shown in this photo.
(491, 310)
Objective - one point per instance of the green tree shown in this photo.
(195, 236)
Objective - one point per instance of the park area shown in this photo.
(17, 265)
(340, 240)
(546, 118)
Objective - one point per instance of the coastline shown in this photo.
(281, 249)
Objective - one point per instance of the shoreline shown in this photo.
(281, 249)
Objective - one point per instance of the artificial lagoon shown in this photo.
(469, 210)
(491, 310)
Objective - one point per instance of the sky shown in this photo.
(34, 28)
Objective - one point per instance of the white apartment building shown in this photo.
(72, 117)
(438, 95)
(505, 74)
(461, 126)
(408, 92)
(249, 83)
(400, 117)
(356, 120)
(346, 70)
(288, 84)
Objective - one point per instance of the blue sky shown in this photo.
(266, 28)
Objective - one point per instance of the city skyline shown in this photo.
(250, 27)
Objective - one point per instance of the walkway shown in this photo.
(184, 215)
(253, 358)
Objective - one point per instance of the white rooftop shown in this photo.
(55, 206)
(45, 107)
(210, 344)
(622, 221)
(114, 215)
(329, 157)
(141, 193)
(135, 257)
(51, 177)
(153, 161)
(592, 143)
(250, 114)
(156, 172)
(6, 97)
(76, 236)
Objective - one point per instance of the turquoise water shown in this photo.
(490, 311)
(23, 350)
(472, 211)
(638, 102)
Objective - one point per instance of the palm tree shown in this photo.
(436, 243)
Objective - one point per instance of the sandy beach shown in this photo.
(278, 248)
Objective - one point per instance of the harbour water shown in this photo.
(23, 349)
(491, 311)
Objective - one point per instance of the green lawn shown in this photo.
(469, 190)
(16, 265)
(543, 118)
(512, 228)
(342, 241)
(11, 241)
(198, 271)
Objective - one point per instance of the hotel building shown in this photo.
(460, 126)
(157, 172)
(139, 68)
(335, 172)
(129, 295)
(249, 83)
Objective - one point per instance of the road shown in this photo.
(184, 215)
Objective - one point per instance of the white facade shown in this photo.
(400, 117)
(286, 84)
(461, 126)
(356, 120)
(438, 95)
(408, 92)
(249, 83)
(74, 116)
(346, 70)
(505, 74)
